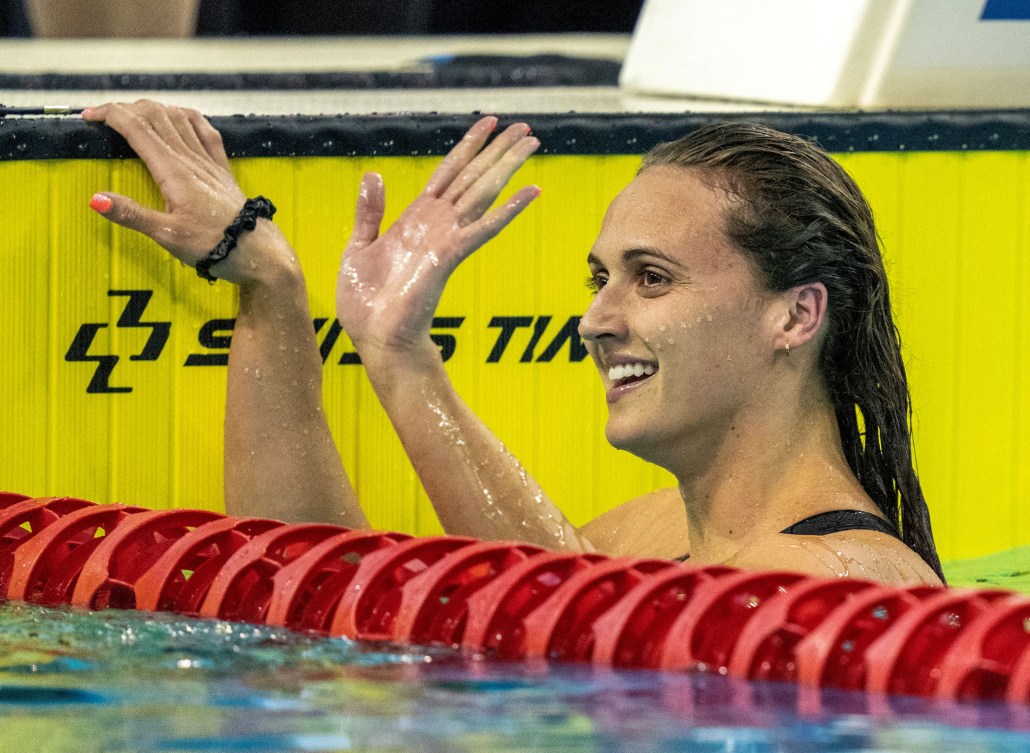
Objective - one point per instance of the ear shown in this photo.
(803, 313)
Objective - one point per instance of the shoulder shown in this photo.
(848, 554)
(654, 525)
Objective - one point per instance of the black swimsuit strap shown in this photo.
(837, 521)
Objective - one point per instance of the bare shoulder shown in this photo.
(654, 525)
(849, 554)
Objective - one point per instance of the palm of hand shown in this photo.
(388, 290)
(390, 285)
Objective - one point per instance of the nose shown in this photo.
(603, 318)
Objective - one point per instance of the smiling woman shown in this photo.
(766, 253)
(741, 326)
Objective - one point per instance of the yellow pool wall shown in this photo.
(956, 233)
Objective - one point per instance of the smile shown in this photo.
(627, 377)
(628, 371)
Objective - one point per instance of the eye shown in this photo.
(596, 281)
(649, 278)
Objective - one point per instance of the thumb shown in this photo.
(368, 217)
(125, 212)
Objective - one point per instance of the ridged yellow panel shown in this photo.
(954, 225)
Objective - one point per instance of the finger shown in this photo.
(479, 196)
(460, 156)
(159, 117)
(368, 217)
(485, 160)
(209, 137)
(181, 122)
(96, 113)
(485, 228)
(157, 154)
(123, 211)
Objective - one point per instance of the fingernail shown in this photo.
(493, 122)
(100, 203)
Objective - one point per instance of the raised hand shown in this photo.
(389, 285)
(185, 156)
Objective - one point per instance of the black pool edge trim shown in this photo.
(458, 71)
(431, 134)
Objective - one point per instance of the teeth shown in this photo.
(624, 371)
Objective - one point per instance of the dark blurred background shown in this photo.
(342, 17)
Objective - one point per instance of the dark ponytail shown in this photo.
(803, 219)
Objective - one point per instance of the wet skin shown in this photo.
(691, 349)
(673, 294)
(746, 431)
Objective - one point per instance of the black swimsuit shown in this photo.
(837, 521)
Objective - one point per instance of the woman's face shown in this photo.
(680, 327)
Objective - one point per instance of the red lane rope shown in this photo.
(516, 601)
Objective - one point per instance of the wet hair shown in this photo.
(800, 218)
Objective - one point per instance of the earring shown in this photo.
(786, 348)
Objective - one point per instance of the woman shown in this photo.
(741, 322)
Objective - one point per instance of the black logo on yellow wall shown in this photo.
(531, 333)
(132, 318)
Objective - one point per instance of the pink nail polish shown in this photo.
(100, 203)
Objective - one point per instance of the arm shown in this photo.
(280, 460)
(388, 289)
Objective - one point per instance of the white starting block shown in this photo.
(835, 53)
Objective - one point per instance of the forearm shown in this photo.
(280, 458)
(477, 487)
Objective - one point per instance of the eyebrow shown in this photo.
(631, 254)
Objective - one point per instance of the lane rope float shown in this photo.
(516, 601)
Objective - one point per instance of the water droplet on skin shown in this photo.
(257, 374)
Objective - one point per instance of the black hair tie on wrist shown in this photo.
(246, 220)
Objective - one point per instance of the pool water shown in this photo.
(119, 681)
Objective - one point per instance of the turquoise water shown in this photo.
(128, 681)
